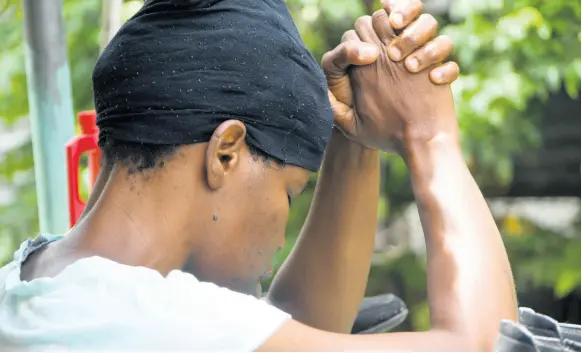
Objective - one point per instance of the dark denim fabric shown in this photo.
(378, 314)
(537, 333)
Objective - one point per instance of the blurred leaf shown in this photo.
(19, 219)
(421, 316)
(566, 282)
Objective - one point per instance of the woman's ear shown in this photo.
(223, 152)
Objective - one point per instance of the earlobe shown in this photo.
(223, 152)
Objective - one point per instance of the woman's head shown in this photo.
(228, 203)
(165, 88)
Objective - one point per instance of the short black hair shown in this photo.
(141, 157)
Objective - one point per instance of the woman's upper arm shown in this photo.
(295, 336)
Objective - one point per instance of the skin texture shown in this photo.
(470, 285)
(173, 216)
(369, 100)
(328, 268)
(294, 290)
(216, 211)
(317, 278)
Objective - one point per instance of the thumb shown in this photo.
(335, 63)
(343, 115)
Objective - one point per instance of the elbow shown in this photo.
(465, 342)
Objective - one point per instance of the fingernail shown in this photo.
(412, 63)
(397, 19)
(395, 53)
(438, 75)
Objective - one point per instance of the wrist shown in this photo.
(348, 152)
(435, 131)
(420, 139)
(422, 155)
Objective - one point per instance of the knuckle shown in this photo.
(414, 7)
(449, 71)
(429, 20)
(362, 20)
(442, 47)
(438, 49)
(431, 54)
(345, 50)
(409, 39)
(348, 35)
(350, 52)
(448, 42)
(410, 7)
(326, 60)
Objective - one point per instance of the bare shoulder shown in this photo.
(295, 336)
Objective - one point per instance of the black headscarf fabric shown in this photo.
(179, 68)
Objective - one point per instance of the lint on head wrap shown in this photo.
(179, 68)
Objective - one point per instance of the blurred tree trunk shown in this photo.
(110, 20)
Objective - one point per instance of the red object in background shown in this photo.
(84, 143)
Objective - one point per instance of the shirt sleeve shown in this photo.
(200, 316)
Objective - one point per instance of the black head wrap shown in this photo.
(179, 68)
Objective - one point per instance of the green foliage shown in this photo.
(544, 258)
(18, 218)
(539, 258)
(510, 53)
(13, 99)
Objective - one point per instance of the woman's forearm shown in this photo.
(322, 283)
(470, 285)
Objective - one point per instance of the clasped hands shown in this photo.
(388, 85)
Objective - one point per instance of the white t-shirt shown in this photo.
(99, 304)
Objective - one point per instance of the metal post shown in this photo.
(110, 20)
(51, 108)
